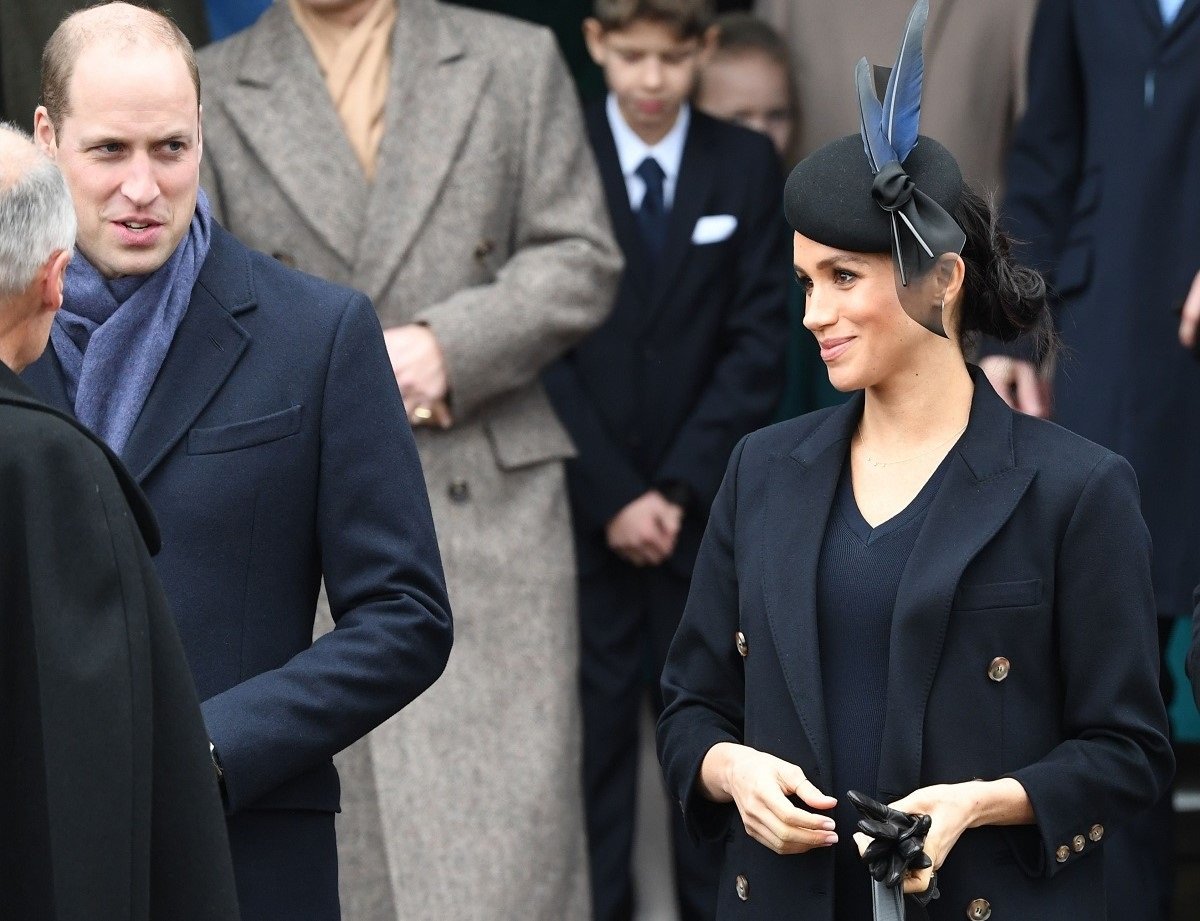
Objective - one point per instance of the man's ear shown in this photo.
(52, 278)
(593, 37)
(708, 43)
(44, 134)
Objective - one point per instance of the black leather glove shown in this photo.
(899, 839)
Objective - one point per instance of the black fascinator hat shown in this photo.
(887, 188)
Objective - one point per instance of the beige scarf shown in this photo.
(356, 62)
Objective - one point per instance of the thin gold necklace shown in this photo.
(874, 463)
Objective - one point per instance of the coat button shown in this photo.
(1062, 853)
(484, 248)
(743, 647)
(1096, 833)
(979, 910)
(743, 888)
(999, 668)
(459, 491)
(1077, 843)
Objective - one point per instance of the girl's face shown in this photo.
(852, 309)
(750, 89)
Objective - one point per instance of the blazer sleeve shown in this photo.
(1116, 759)
(383, 575)
(703, 683)
(560, 281)
(747, 378)
(603, 481)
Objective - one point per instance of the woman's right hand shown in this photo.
(759, 785)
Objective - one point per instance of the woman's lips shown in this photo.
(832, 349)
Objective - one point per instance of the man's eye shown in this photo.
(175, 146)
(109, 148)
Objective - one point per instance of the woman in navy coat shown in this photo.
(919, 594)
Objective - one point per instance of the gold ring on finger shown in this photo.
(423, 413)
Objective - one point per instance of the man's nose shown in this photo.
(140, 185)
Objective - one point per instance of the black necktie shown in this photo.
(652, 215)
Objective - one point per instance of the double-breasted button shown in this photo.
(743, 647)
(999, 668)
(1096, 832)
(1077, 843)
(1062, 853)
(979, 910)
(742, 885)
(459, 491)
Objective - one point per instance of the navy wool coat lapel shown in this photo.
(979, 494)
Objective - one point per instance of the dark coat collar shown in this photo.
(979, 494)
(14, 392)
(207, 346)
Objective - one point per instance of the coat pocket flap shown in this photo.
(1074, 268)
(998, 595)
(246, 434)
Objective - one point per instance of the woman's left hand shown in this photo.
(952, 809)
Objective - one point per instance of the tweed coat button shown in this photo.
(459, 491)
(484, 248)
(1096, 833)
(743, 647)
(979, 910)
(999, 668)
(1062, 853)
(743, 888)
(1077, 843)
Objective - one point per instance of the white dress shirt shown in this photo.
(632, 150)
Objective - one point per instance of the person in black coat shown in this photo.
(690, 360)
(920, 595)
(109, 800)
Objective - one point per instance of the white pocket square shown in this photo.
(714, 228)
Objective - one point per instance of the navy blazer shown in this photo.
(274, 450)
(691, 358)
(1033, 550)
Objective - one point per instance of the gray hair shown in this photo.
(37, 217)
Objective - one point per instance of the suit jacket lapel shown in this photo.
(801, 490)
(979, 494)
(691, 198)
(280, 104)
(616, 192)
(207, 346)
(434, 91)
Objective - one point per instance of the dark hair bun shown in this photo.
(1002, 299)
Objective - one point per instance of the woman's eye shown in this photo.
(805, 282)
(842, 277)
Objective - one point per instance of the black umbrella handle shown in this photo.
(897, 847)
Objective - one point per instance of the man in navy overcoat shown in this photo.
(1104, 188)
(269, 438)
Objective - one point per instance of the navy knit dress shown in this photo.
(857, 579)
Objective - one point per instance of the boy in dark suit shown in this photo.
(689, 361)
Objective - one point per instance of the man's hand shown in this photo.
(420, 370)
(759, 785)
(1190, 318)
(1019, 383)
(644, 532)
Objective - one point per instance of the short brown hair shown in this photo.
(689, 18)
(742, 33)
(71, 37)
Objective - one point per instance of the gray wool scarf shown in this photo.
(112, 335)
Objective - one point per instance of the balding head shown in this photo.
(122, 25)
(37, 218)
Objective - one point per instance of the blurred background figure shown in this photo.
(657, 397)
(1104, 187)
(25, 25)
(748, 80)
(974, 71)
(434, 156)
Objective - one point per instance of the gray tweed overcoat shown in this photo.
(487, 222)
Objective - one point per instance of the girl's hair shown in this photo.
(1001, 298)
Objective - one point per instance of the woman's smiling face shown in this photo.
(852, 309)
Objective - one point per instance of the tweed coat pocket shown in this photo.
(247, 434)
(978, 597)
